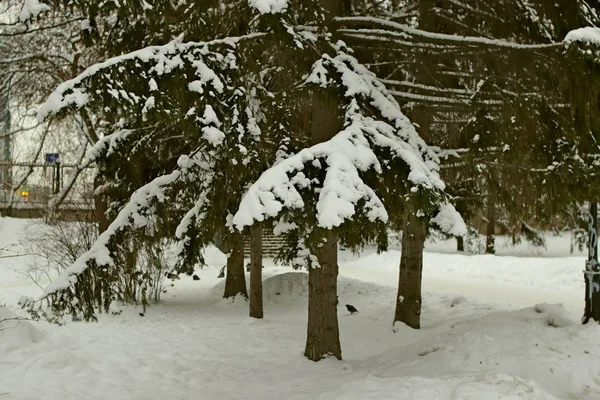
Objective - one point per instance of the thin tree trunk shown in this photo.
(235, 280)
(100, 207)
(256, 293)
(408, 301)
(460, 243)
(323, 335)
(490, 242)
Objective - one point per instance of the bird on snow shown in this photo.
(196, 277)
(351, 309)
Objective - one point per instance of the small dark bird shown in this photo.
(351, 309)
(196, 277)
(172, 276)
(141, 314)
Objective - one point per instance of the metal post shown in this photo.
(57, 180)
(592, 270)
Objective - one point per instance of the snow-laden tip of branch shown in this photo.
(587, 35)
(345, 154)
(129, 216)
(450, 221)
(32, 9)
(403, 139)
(167, 57)
(268, 6)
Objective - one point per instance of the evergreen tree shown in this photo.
(212, 116)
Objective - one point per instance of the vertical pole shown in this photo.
(57, 180)
(592, 270)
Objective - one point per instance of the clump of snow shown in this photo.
(268, 6)
(287, 288)
(558, 317)
(16, 332)
(32, 9)
(588, 35)
(450, 221)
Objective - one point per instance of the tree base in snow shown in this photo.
(323, 335)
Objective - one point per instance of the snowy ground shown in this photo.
(482, 336)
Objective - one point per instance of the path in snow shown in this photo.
(474, 344)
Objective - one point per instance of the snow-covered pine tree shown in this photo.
(205, 95)
(507, 56)
(344, 188)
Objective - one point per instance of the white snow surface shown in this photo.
(32, 9)
(491, 329)
(588, 35)
(268, 6)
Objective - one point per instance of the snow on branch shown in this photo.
(402, 137)
(268, 6)
(278, 187)
(167, 57)
(588, 35)
(442, 37)
(129, 216)
(346, 155)
(450, 221)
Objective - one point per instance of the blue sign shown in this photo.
(52, 158)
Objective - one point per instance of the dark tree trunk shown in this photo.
(100, 207)
(256, 293)
(460, 243)
(490, 241)
(323, 336)
(408, 301)
(235, 280)
(592, 270)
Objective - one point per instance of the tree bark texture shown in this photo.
(408, 301)
(235, 280)
(100, 207)
(256, 292)
(490, 241)
(460, 243)
(323, 335)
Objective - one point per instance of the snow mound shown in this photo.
(564, 362)
(558, 317)
(589, 35)
(469, 387)
(15, 334)
(286, 288)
